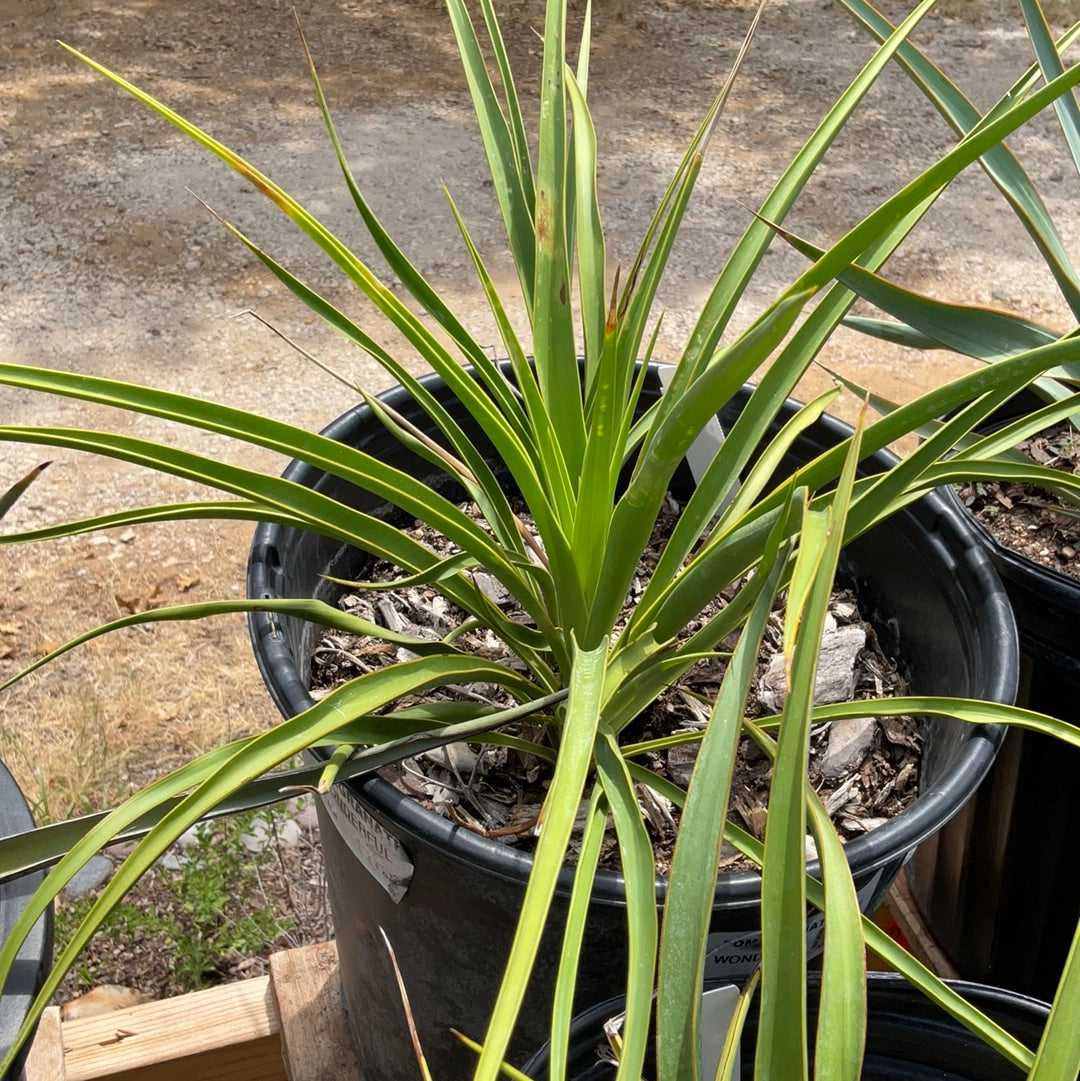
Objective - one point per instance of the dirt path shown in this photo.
(109, 266)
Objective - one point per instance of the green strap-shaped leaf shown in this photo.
(578, 736)
(249, 760)
(399, 263)
(230, 510)
(1059, 1050)
(394, 736)
(16, 491)
(781, 1050)
(552, 318)
(691, 889)
(314, 611)
(499, 417)
(589, 233)
(648, 267)
(916, 973)
(975, 390)
(638, 865)
(363, 470)
(312, 509)
(982, 333)
(841, 1028)
(999, 163)
(1050, 65)
(971, 711)
(594, 829)
(504, 142)
(732, 283)
(396, 311)
(554, 480)
(639, 506)
(712, 488)
(951, 1001)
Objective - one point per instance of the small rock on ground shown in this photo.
(89, 877)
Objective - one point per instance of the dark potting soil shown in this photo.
(1037, 524)
(865, 771)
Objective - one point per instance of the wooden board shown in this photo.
(915, 935)
(45, 1062)
(315, 1035)
(288, 1026)
(227, 1033)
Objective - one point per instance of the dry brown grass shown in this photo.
(80, 733)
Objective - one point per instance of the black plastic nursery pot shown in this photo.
(35, 955)
(1000, 888)
(448, 898)
(908, 1037)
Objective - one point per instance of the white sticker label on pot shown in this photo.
(373, 845)
(733, 954)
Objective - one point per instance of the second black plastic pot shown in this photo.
(908, 1037)
(449, 899)
(1000, 887)
(35, 954)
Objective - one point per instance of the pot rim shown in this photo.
(1024, 401)
(889, 996)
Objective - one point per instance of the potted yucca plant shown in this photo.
(568, 452)
(1012, 928)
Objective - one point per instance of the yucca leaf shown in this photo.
(1059, 1050)
(998, 162)
(384, 298)
(247, 761)
(729, 555)
(495, 411)
(312, 610)
(951, 1001)
(982, 333)
(394, 736)
(1008, 435)
(841, 1026)
(239, 510)
(692, 880)
(398, 262)
(732, 282)
(1050, 65)
(781, 1049)
(916, 973)
(593, 831)
(9, 498)
(589, 233)
(553, 497)
(552, 321)
(648, 268)
(638, 864)
(782, 1036)
(718, 482)
(578, 736)
(504, 141)
(672, 436)
(976, 390)
(317, 511)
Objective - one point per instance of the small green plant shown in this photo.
(205, 911)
